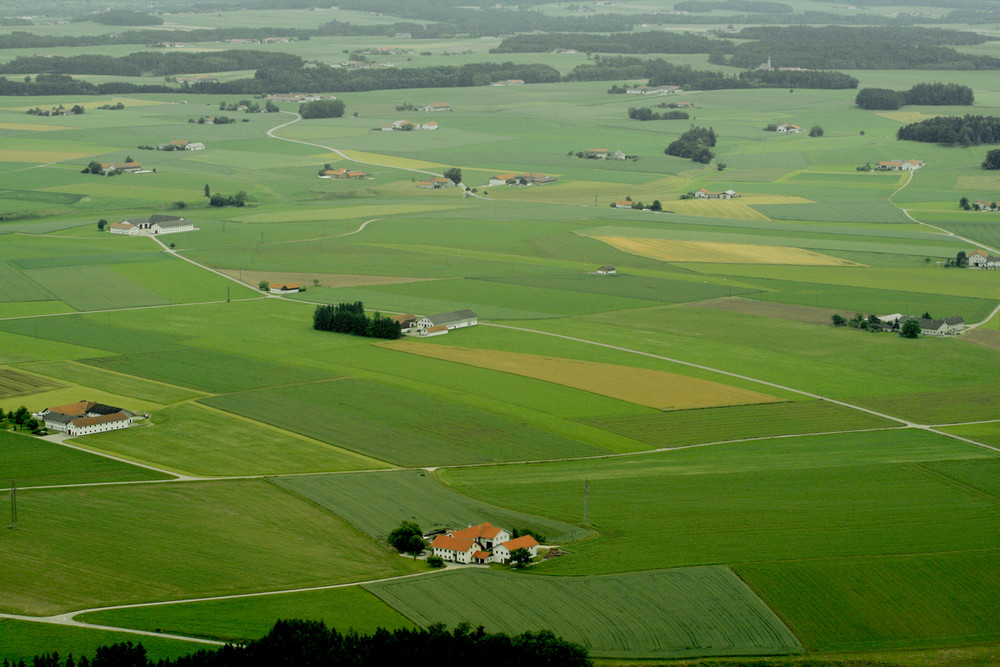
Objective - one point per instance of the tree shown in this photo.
(961, 259)
(520, 557)
(94, 167)
(656, 205)
(992, 160)
(964, 204)
(453, 173)
(208, 191)
(838, 320)
(77, 109)
(322, 109)
(408, 538)
(816, 131)
(910, 329)
(435, 561)
(101, 224)
(263, 286)
(179, 204)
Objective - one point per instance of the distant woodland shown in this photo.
(922, 93)
(953, 130)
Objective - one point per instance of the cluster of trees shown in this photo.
(350, 318)
(120, 17)
(645, 113)
(953, 130)
(408, 539)
(659, 72)
(313, 644)
(76, 110)
(638, 206)
(239, 200)
(694, 144)
(909, 329)
(248, 106)
(992, 160)
(922, 93)
(22, 418)
(840, 47)
(117, 106)
(322, 109)
(217, 120)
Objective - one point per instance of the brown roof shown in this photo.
(286, 286)
(523, 542)
(103, 419)
(436, 328)
(450, 543)
(487, 530)
(408, 317)
(79, 408)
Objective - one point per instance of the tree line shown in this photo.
(120, 17)
(842, 47)
(313, 644)
(922, 93)
(643, 42)
(151, 62)
(953, 130)
(645, 113)
(350, 318)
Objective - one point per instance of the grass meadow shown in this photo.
(169, 541)
(769, 528)
(677, 613)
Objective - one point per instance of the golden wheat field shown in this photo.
(654, 389)
(669, 250)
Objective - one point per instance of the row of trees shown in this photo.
(350, 318)
(121, 17)
(645, 113)
(694, 144)
(239, 200)
(909, 329)
(953, 130)
(840, 47)
(922, 93)
(313, 644)
(144, 63)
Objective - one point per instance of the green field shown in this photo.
(377, 503)
(677, 613)
(398, 425)
(241, 619)
(182, 541)
(28, 462)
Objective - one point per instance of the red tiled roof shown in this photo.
(481, 555)
(523, 542)
(450, 543)
(487, 530)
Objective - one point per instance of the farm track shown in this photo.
(946, 232)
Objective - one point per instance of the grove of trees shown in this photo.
(350, 318)
(951, 130)
(922, 93)
(992, 160)
(313, 644)
(694, 144)
(322, 109)
(645, 113)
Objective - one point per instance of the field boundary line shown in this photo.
(52, 620)
(128, 308)
(766, 383)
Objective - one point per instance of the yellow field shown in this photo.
(654, 389)
(906, 116)
(41, 157)
(716, 208)
(723, 253)
(393, 161)
(32, 127)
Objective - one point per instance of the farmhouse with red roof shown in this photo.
(482, 544)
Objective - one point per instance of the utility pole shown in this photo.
(227, 293)
(13, 505)
(586, 502)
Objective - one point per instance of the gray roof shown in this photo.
(955, 319)
(166, 220)
(59, 418)
(453, 316)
